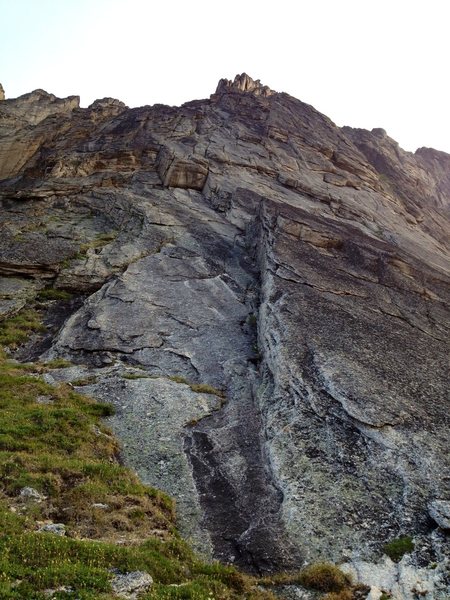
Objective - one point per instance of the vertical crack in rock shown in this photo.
(240, 502)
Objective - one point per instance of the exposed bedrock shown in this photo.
(264, 298)
(355, 434)
(188, 318)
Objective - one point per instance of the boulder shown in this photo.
(55, 528)
(130, 585)
(29, 493)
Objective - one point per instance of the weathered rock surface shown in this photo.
(402, 580)
(29, 493)
(247, 244)
(54, 528)
(244, 83)
(440, 512)
(131, 585)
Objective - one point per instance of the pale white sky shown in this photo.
(363, 63)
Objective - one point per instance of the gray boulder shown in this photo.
(131, 585)
(29, 493)
(55, 528)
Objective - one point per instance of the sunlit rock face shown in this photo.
(264, 297)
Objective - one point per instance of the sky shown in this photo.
(362, 63)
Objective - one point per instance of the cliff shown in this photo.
(264, 298)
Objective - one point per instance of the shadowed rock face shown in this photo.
(247, 243)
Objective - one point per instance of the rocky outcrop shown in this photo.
(243, 83)
(15, 293)
(131, 585)
(264, 298)
(26, 122)
(36, 106)
(403, 579)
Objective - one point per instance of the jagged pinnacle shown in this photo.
(244, 83)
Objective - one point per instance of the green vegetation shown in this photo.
(252, 320)
(323, 577)
(204, 388)
(136, 376)
(397, 548)
(102, 239)
(84, 381)
(57, 363)
(343, 595)
(16, 330)
(179, 379)
(256, 352)
(53, 294)
(198, 388)
(62, 450)
(34, 562)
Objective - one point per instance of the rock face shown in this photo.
(440, 512)
(264, 297)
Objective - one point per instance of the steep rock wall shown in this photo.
(264, 297)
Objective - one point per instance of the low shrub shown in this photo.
(324, 577)
(53, 294)
(133, 376)
(342, 595)
(397, 548)
(198, 388)
(178, 379)
(204, 388)
(58, 363)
